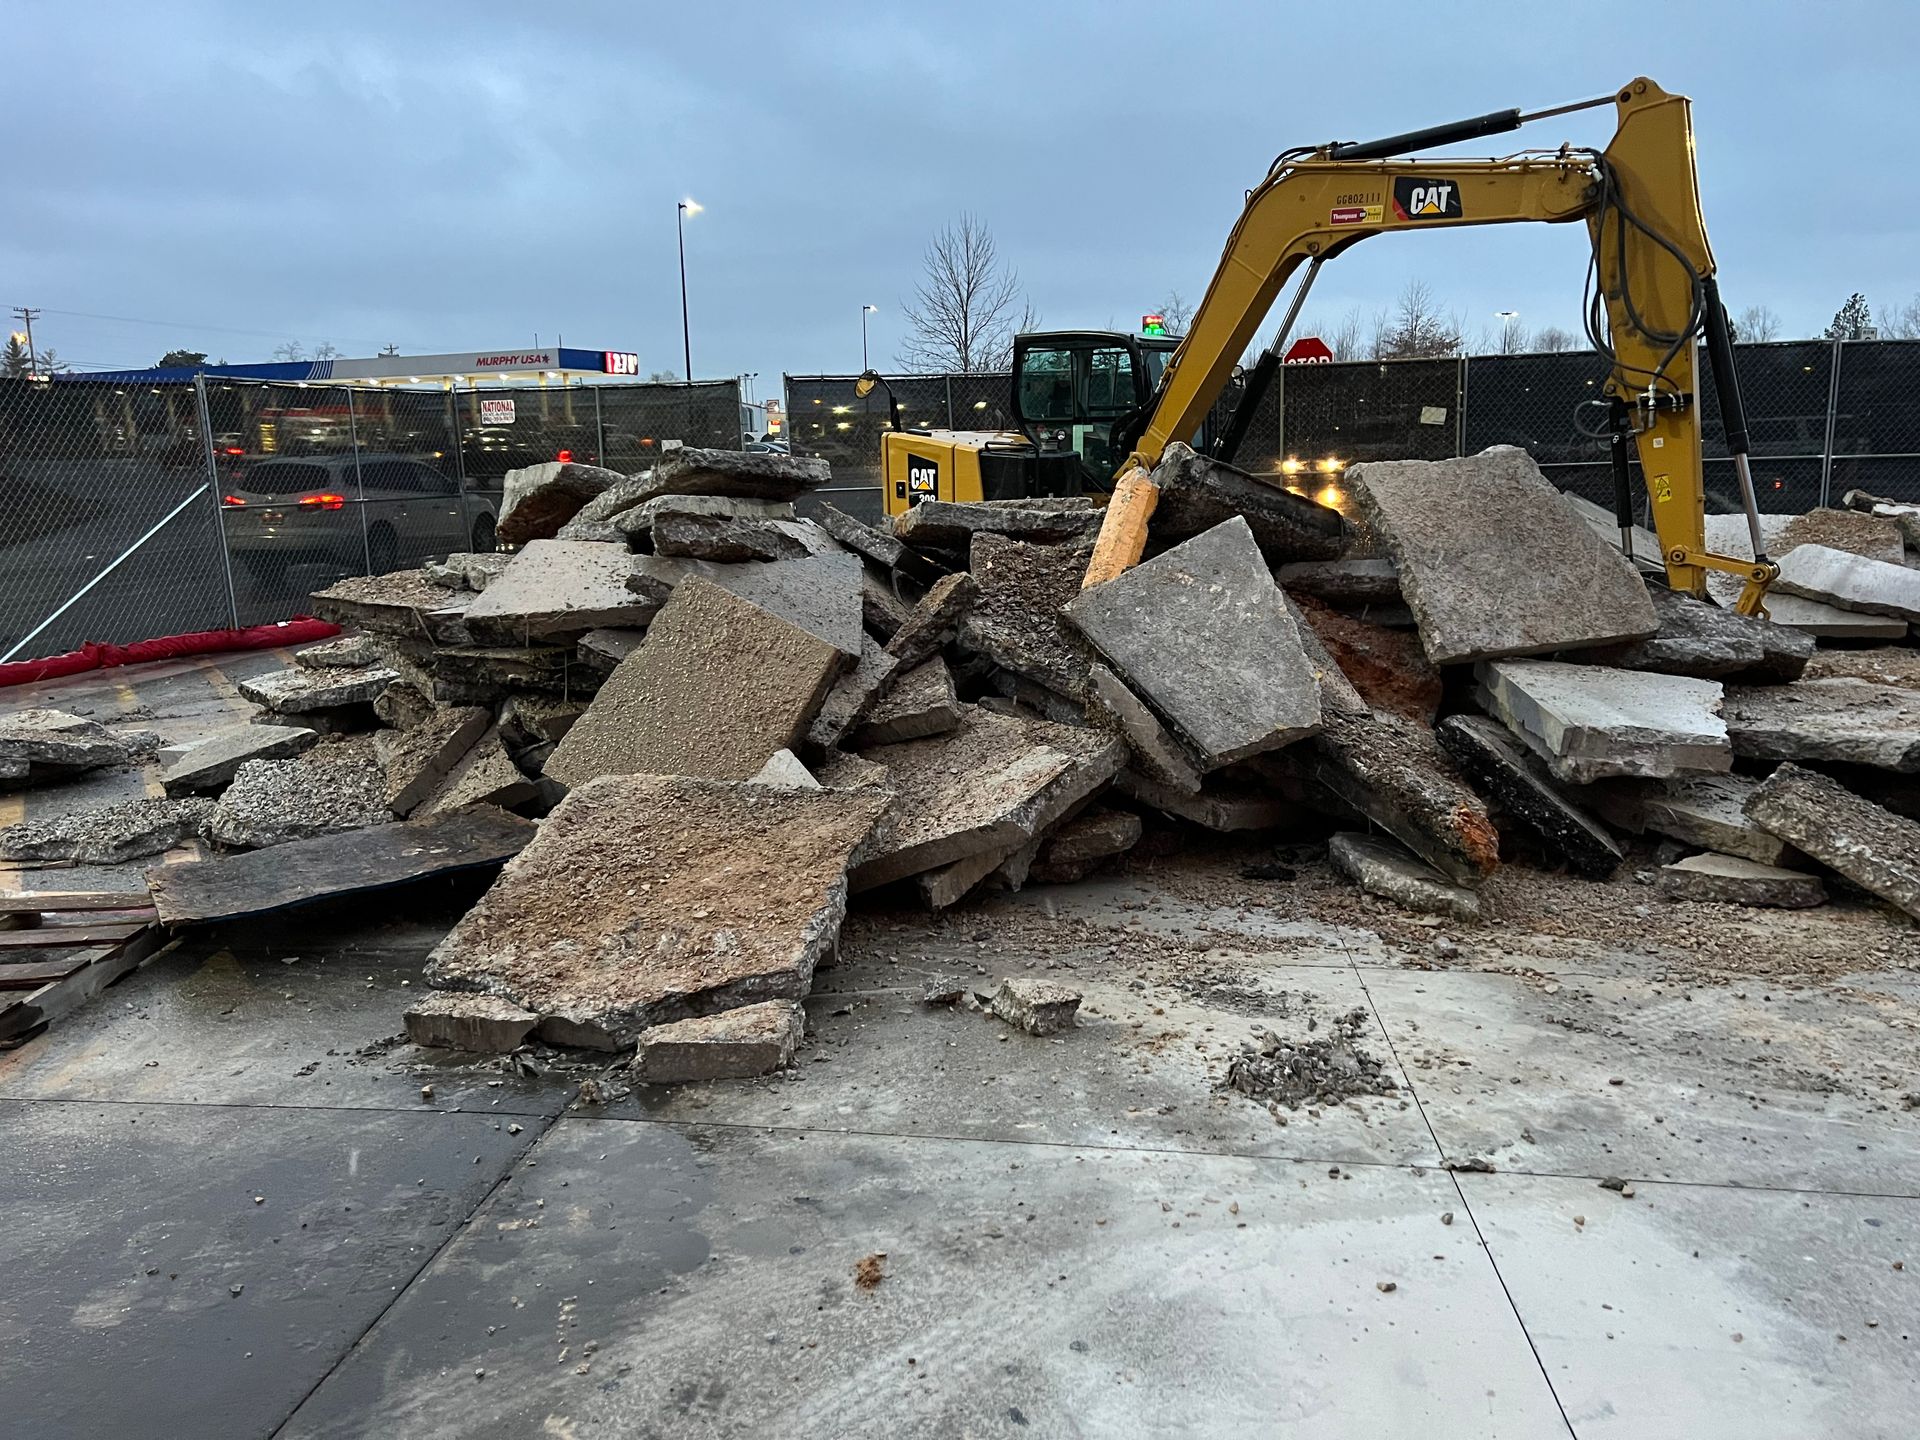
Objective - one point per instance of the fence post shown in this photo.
(1833, 416)
(1460, 409)
(950, 424)
(359, 483)
(453, 438)
(1280, 411)
(599, 430)
(203, 420)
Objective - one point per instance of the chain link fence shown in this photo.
(134, 511)
(1823, 417)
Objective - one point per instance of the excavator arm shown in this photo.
(1653, 270)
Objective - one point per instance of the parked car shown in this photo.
(373, 513)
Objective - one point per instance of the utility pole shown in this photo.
(28, 315)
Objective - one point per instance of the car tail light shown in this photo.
(565, 457)
(233, 502)
(236, 450)
(323, 502)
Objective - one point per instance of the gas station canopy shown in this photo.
(527, 365)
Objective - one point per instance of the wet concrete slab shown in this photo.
(1711, 1313)
(149, 1293)
(701, 1281)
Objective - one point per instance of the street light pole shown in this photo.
(684, 209)
(1507, 317)
(865, 310)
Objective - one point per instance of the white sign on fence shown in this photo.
(496, 412)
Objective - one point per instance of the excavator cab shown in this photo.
(1087, 392)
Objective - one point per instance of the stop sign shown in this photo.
(1308, 350)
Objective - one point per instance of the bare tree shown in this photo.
(51, 364)
(291, 351)
(1554, 341)
(1416, 327)
(325, 350)
(1176, 312)
(961, 317)
(1757, 322)
(1902, 322)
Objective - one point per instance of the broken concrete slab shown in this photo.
(1198, 493)
(302, 692)
(731, 1045)
(556, 590)
(418, 761)
(1387, 669)
(878, 546)
(1700, 639)
(344, 652)
(935, 620)
(1604, 523)
(211, 764)
(110, 834)
(1591, 722)
(718, 686)
(41, 744)
(841, 771)
(407, 701)
(946, 525)
(1732, 880)
(1039, 1007)
(1871, 846)
(1342, 582)
(467, 570)
(882, 611)
(950, 884)
(640, 517)
(1156, 751)
(733, 539)
(1016, 622)
(486, 675)
(403, 603)
(1727, 535)
(603, 649)
(1852, 582)
(1840, 721)
(1083, 844)
(785, 772)
(1504, 771)
(1204, 636)
(1386, 870)
(1708, 811)
(537, 500)
(1219, 805)
(484, 775)
(819, 593)
(750, 474)
(1538, 581)
(991, 785)
(483, 1024)
(527, 720)
(745, 891)
(331, 788)
(853, 696)
(920, 703)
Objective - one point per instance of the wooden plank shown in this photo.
(32, 974)
(40, 1007)
(68, 937)
(61, 902)
(352, 862)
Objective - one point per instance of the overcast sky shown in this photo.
(458, 178)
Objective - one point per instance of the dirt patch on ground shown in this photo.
(1325, 1070)
(1854, 531)
(1878, 665)
(1387, 667)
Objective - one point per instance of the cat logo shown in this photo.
(923, 478)
(1423, 197)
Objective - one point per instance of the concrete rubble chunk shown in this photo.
(819, 593)
(841, 771)
(1386, 669)
(717, 687)
(1852, 582)
(1590, 722)
(1604, 523)
(882, 611)
(1708, 811)
(1204, 636)
(556, 590)
(1220, 805)
(920, 703)
(1840, 721)
(638, 519)
(418, 760)
(485, 1024)
(935, 620)
(1084, 843)
(750, 474)
(484, 775)
(1049, 519)
(42, 744)
(467, 570)
(537, 500)
(715, 537)
(1504, 771)
(1157, 753)
(878, 546)
(605, 648)
(595, 519)
(1699, 639)
(1871, 846)
(486, 675)
(302, 692)
(784, 771)
(404, 604)
(1198, 493)
(406, 702)
(537, 719)
(333, 787)
(646, 899)
(1732, 880)
(1727, 535)
(1342, 582)
(108, 834)
(1039, 1007)
(1384, 869)
(990, 785)
(732, 1045)
(344, 652)
(853, 696)
(1017, 622)
(1538, 581)
(952, 883)
(211, 764)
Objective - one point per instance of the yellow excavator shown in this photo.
(1095, 406)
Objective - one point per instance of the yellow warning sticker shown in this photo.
(1662, 489)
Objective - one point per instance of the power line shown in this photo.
(281, 335)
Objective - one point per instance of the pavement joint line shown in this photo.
(162, 1104)
(1453, 1177)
